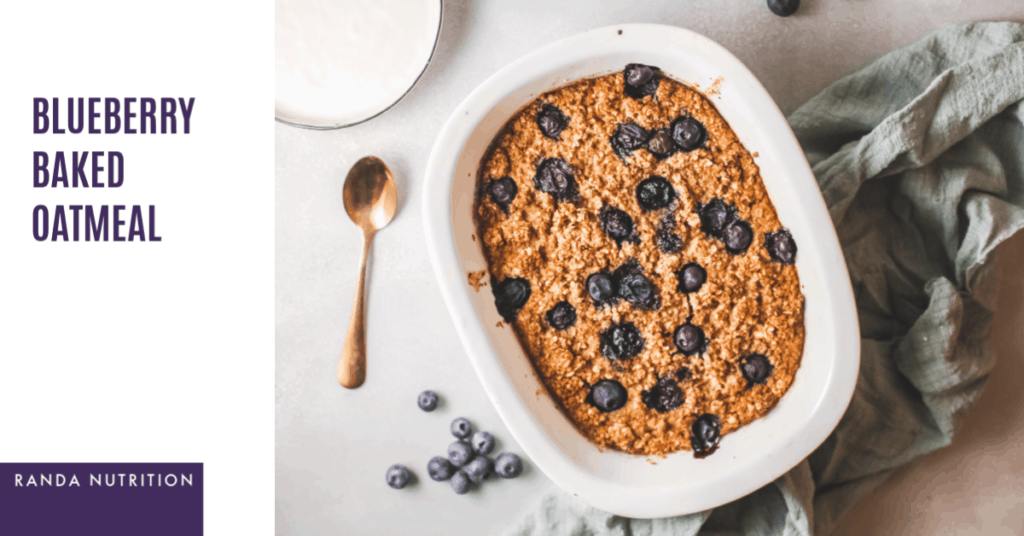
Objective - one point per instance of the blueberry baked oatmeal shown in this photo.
(633, 248)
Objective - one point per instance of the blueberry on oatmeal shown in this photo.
(607, 396)
(562, 316)
(551, 121)
(621, 341)
(555, 177)
(640, 80)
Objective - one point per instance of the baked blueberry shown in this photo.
(607, 396)
(715, 216)
(502, 191)
(510, 296)
(655, 193)
(783, 8)
(661, 145)
(483, 442)
(601, 288)
(562, 316)
(691, 278)
(628, 137)
(689, 339)
(756, 368)
(706, 433)
(668, 242)
(461, 428)
(640, 80)
(460, 482)
(479, 469)
(621, 341)
(459, 453)
(427, 401)
(616, 224)
(780, 246)
(634, 287)
(664, 396)
(682, 373)
(508, 465)
(440, 469)
(398, 476)
(637, 74)
(551, 121)
(737, 237)
(555, 177)
(688, 133)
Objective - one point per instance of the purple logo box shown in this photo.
(112, 499)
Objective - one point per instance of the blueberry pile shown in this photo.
(468, 460)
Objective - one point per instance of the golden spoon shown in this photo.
(370, 200)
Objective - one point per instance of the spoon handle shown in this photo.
(352, 366)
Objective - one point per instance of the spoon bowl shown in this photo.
(370, 200)
(369, 194)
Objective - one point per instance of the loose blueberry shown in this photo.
(461, 428)
(551, 121)
(628, 137)
(510, 296)
(483, 442)
(502, 191)
(616, 224)
(607, 396)
(508, 465)
(668, 242)
(755, 368)
(689, 339)
(635, 288)
(640, 80)
(555, 177)
(664, 396)
(688, 134)
(715, 216)
(460, 482)
(780, 246)
(427, 400)
(655, 193)
(601, 288)
(661, 145)
(398, 476)
(738, 236)
(479, 469)
(707, 432)
(691, 278)
(459, 453)
(562, 316)
(621, 341)
(783, 8)
(440, 469)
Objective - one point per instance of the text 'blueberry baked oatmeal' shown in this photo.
(634, 250)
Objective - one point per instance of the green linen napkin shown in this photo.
(920, 158)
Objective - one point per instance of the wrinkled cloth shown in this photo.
(920, 159)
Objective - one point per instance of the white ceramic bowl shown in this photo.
(613, 481)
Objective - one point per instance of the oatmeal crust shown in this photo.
(749, 303)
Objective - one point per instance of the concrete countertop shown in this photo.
(334, 445)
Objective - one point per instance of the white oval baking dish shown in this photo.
(613, 481)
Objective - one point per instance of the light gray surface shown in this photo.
(334, 445)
